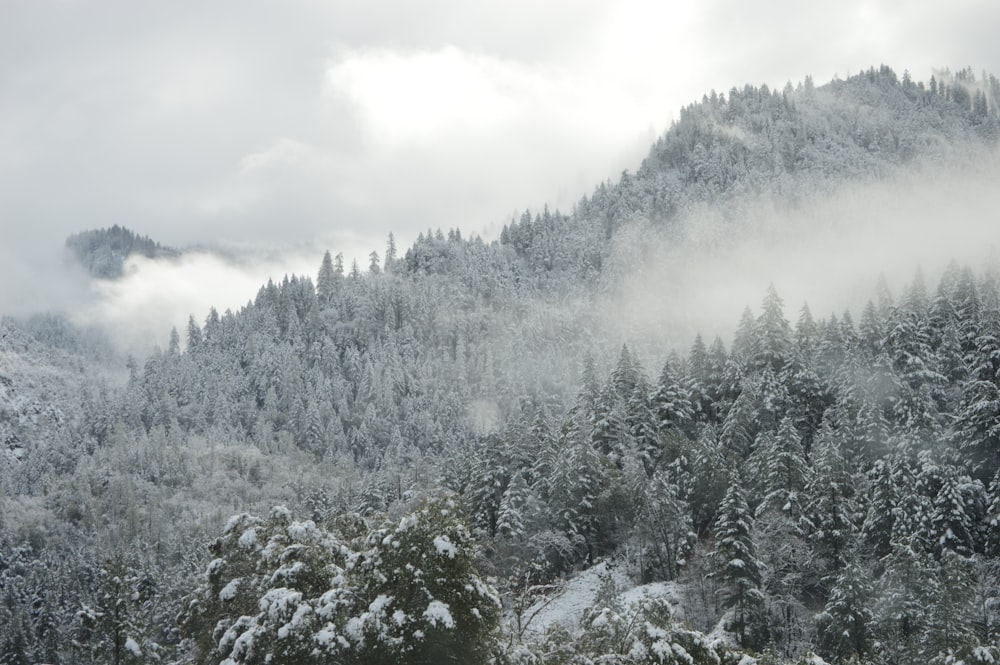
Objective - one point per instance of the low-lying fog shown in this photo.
(828, 252)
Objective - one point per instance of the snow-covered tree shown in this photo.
(737, 568)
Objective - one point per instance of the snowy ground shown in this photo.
(566, 605)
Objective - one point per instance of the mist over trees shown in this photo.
(397, 463)
(103, 251)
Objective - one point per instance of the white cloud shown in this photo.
(139, 309)
(828, 252)
(426, 94)
(285, 122)
(280, 169)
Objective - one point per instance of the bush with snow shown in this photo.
(294, 593)
(644, 634)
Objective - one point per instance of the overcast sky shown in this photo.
(196, 121)
(199, 121)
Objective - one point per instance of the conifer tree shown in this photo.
(664, 520)
(829, 512)
(979, 415)
(736, 566)
(670, 401)
(785, 473)
(772, 346)
(845, 623)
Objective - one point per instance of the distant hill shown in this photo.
(790, 144)
(103, 251)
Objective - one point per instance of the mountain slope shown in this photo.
(103, 252)
(852, 464)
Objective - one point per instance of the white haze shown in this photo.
(279, 121)
(139, 309)
(197, 122)
(828, 252)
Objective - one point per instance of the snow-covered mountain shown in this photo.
(464, 434)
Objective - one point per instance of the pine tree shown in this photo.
(806, 333)
(489, 475)
(641, 421)
(829, 512)
(113, 628)
(900, 611)
(877, 529)
(576, 481)
(871, 331)
(845, 623)
(695, 382)
(952, 518)
(670, 402)
(948, 633)
(979, 416)
(511, 516)
(743, 350)
(739, 429)
(992, 517)
(737, 567)
(423, 597)
(664, 521)
(710, 477)
(785, 473)
(772, 345)
(719, 390)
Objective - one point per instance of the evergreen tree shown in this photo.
(664, 521)
(326, 280)
(785, 473)
(900, 612)
(670, 402)
(737, 567)
(772, 345)
(979, 416)
(829, 512)
(952, 518)
(113, 628)
(710, 477)
(426, 603)
(845, 623)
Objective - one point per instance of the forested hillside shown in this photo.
(103, 251)
(396, 463)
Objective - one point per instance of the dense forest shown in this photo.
(410, 462)
(103, 251)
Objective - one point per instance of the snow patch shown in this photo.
(407, 523)
(567, 606)
(276, 603)
(302, 532)
(229, 591)
(980, 655)
(133, 646)
(438, 613)
(248, 539)
(445, 547)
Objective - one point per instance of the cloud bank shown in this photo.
(297, 122)
(828, 252)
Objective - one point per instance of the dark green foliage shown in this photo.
(737, 567)
(846, 622)
(283, 591)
